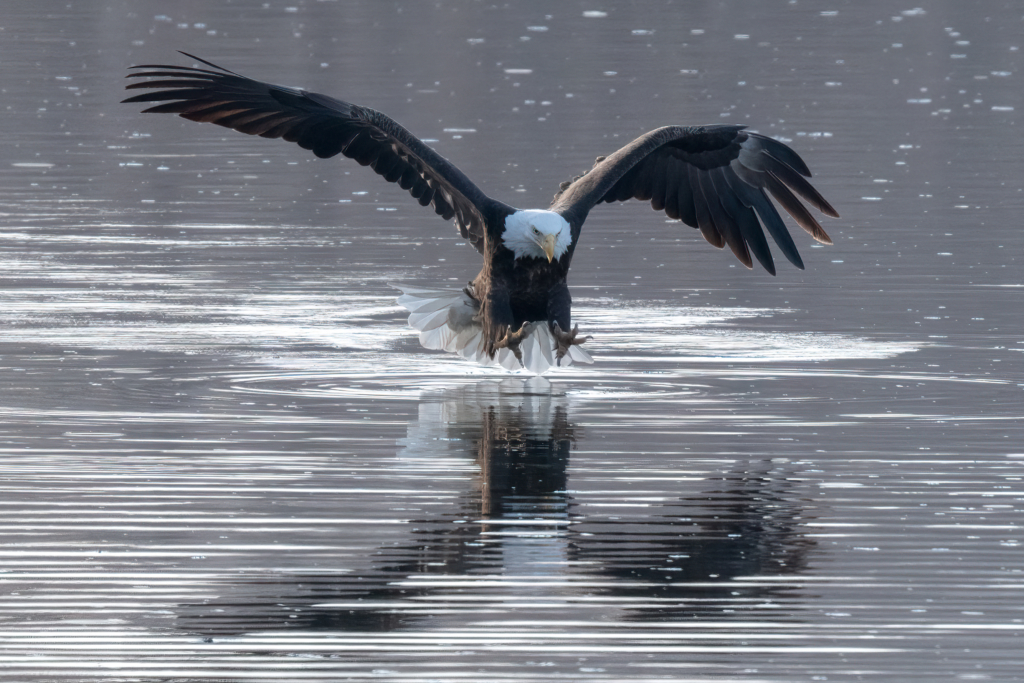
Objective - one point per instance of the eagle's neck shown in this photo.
(526, 232)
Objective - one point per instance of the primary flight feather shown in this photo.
(517, 311)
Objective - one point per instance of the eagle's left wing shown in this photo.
(715, 178)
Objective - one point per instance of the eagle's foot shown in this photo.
(563, 340)
(512, 340)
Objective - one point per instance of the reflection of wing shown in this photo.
(749, 520)
(716, 178)
(324, 125)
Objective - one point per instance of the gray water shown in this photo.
(225, 456)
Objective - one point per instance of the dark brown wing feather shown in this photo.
(325, 126)
(715, 178)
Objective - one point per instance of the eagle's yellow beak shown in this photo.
(548, 245)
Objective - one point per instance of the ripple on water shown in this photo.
(507, 523)
(226, 457)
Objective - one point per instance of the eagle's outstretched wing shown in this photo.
(715, 178)
(324, 125)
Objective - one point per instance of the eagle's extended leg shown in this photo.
(512, 340)
(563, 340)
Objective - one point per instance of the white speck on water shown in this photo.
(595, 14)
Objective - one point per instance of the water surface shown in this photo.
(223, 454)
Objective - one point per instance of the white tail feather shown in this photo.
(507, 360)
(428, 321)
(444, 318)
(438, 339)
(426, 305)
(579, 354)
(467, 341)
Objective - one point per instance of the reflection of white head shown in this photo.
(450, 421)
(537, 233)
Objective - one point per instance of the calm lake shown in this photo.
(225, 456)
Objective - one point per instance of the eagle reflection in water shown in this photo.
(529, 532)
(520, 434)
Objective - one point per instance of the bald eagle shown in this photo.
(517, 311)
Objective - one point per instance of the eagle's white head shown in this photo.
(536, 233)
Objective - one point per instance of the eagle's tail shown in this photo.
(444, 318)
